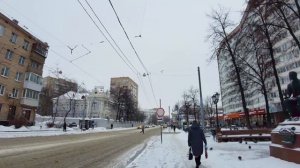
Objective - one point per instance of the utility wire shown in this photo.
(57, 39)
(109, 34)
(143, 65)
(78, 67)
(128, 38)
(91, 8)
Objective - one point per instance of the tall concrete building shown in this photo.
(59, 86)
(287, 58)
(125, 83)
(22, 58)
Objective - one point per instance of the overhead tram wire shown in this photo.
(141, 62)
(129, 62)
(78, 67)
(128, 38)
(137, 73)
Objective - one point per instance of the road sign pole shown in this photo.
(160, 115)
(161, 134)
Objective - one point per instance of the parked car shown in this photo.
(73, 124)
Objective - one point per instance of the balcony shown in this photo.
(40, 48)
(33, 82)
(29, 102)
(33, 86)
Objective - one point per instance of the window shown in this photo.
(2, 89)
(22, 60)
(15, 92)
(34, 65)
(9, 54)
(33, 78)
(31, 94)
(2, 29)
(13, 38)
(5, 71)
(19, 76)
(25, 45)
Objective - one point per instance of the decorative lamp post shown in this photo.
(215, 99)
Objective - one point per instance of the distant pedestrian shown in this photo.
(174, 127)
(213, 133)
(196, 138)
(65, 127)
(111, 126)
(143, 129)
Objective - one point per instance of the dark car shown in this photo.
(73, 124)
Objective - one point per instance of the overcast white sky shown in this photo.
(172, 46)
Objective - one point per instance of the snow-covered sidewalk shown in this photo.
(172, 153)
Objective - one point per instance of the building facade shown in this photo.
(22, 59)
(83, 105)
(125, 83)
(287, 58)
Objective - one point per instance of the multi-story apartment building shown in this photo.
(287, 58)
(59, 86)
(125, 83)
(22, 57)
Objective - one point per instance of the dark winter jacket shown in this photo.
(196, 138)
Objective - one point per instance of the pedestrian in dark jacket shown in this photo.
(143, 129)
(196, 138)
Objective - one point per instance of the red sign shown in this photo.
(160, 112)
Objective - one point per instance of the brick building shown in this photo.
(125, 83)
(22, 57)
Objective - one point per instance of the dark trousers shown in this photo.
(197, 160)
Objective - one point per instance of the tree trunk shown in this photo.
(239, 83)
(267, 105)
(270, 47)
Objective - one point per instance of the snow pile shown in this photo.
(11, 132)
(172, 153)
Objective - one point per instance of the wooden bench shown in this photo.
(244, 135)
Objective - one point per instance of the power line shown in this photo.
(78, 67)
(128, 38)
(141, 62)
(56, 53)
(130, 66)
(91, 8)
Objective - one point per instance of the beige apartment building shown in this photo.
(126, 83)
(22, 57)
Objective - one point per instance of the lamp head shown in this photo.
(213, 97)
(217, 95)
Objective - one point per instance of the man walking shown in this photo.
(196, 138)
(143, 129)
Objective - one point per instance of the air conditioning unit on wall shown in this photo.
(10, 95)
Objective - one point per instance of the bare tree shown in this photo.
(286, 15)
(186, 106)
(127, 108)
(267, 33)
(193, 95)
(208, 109)
(257, 66)
(225, 43)
(68, 107)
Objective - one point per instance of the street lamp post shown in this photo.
(215, 99)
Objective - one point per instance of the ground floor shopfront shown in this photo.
(258, 118)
